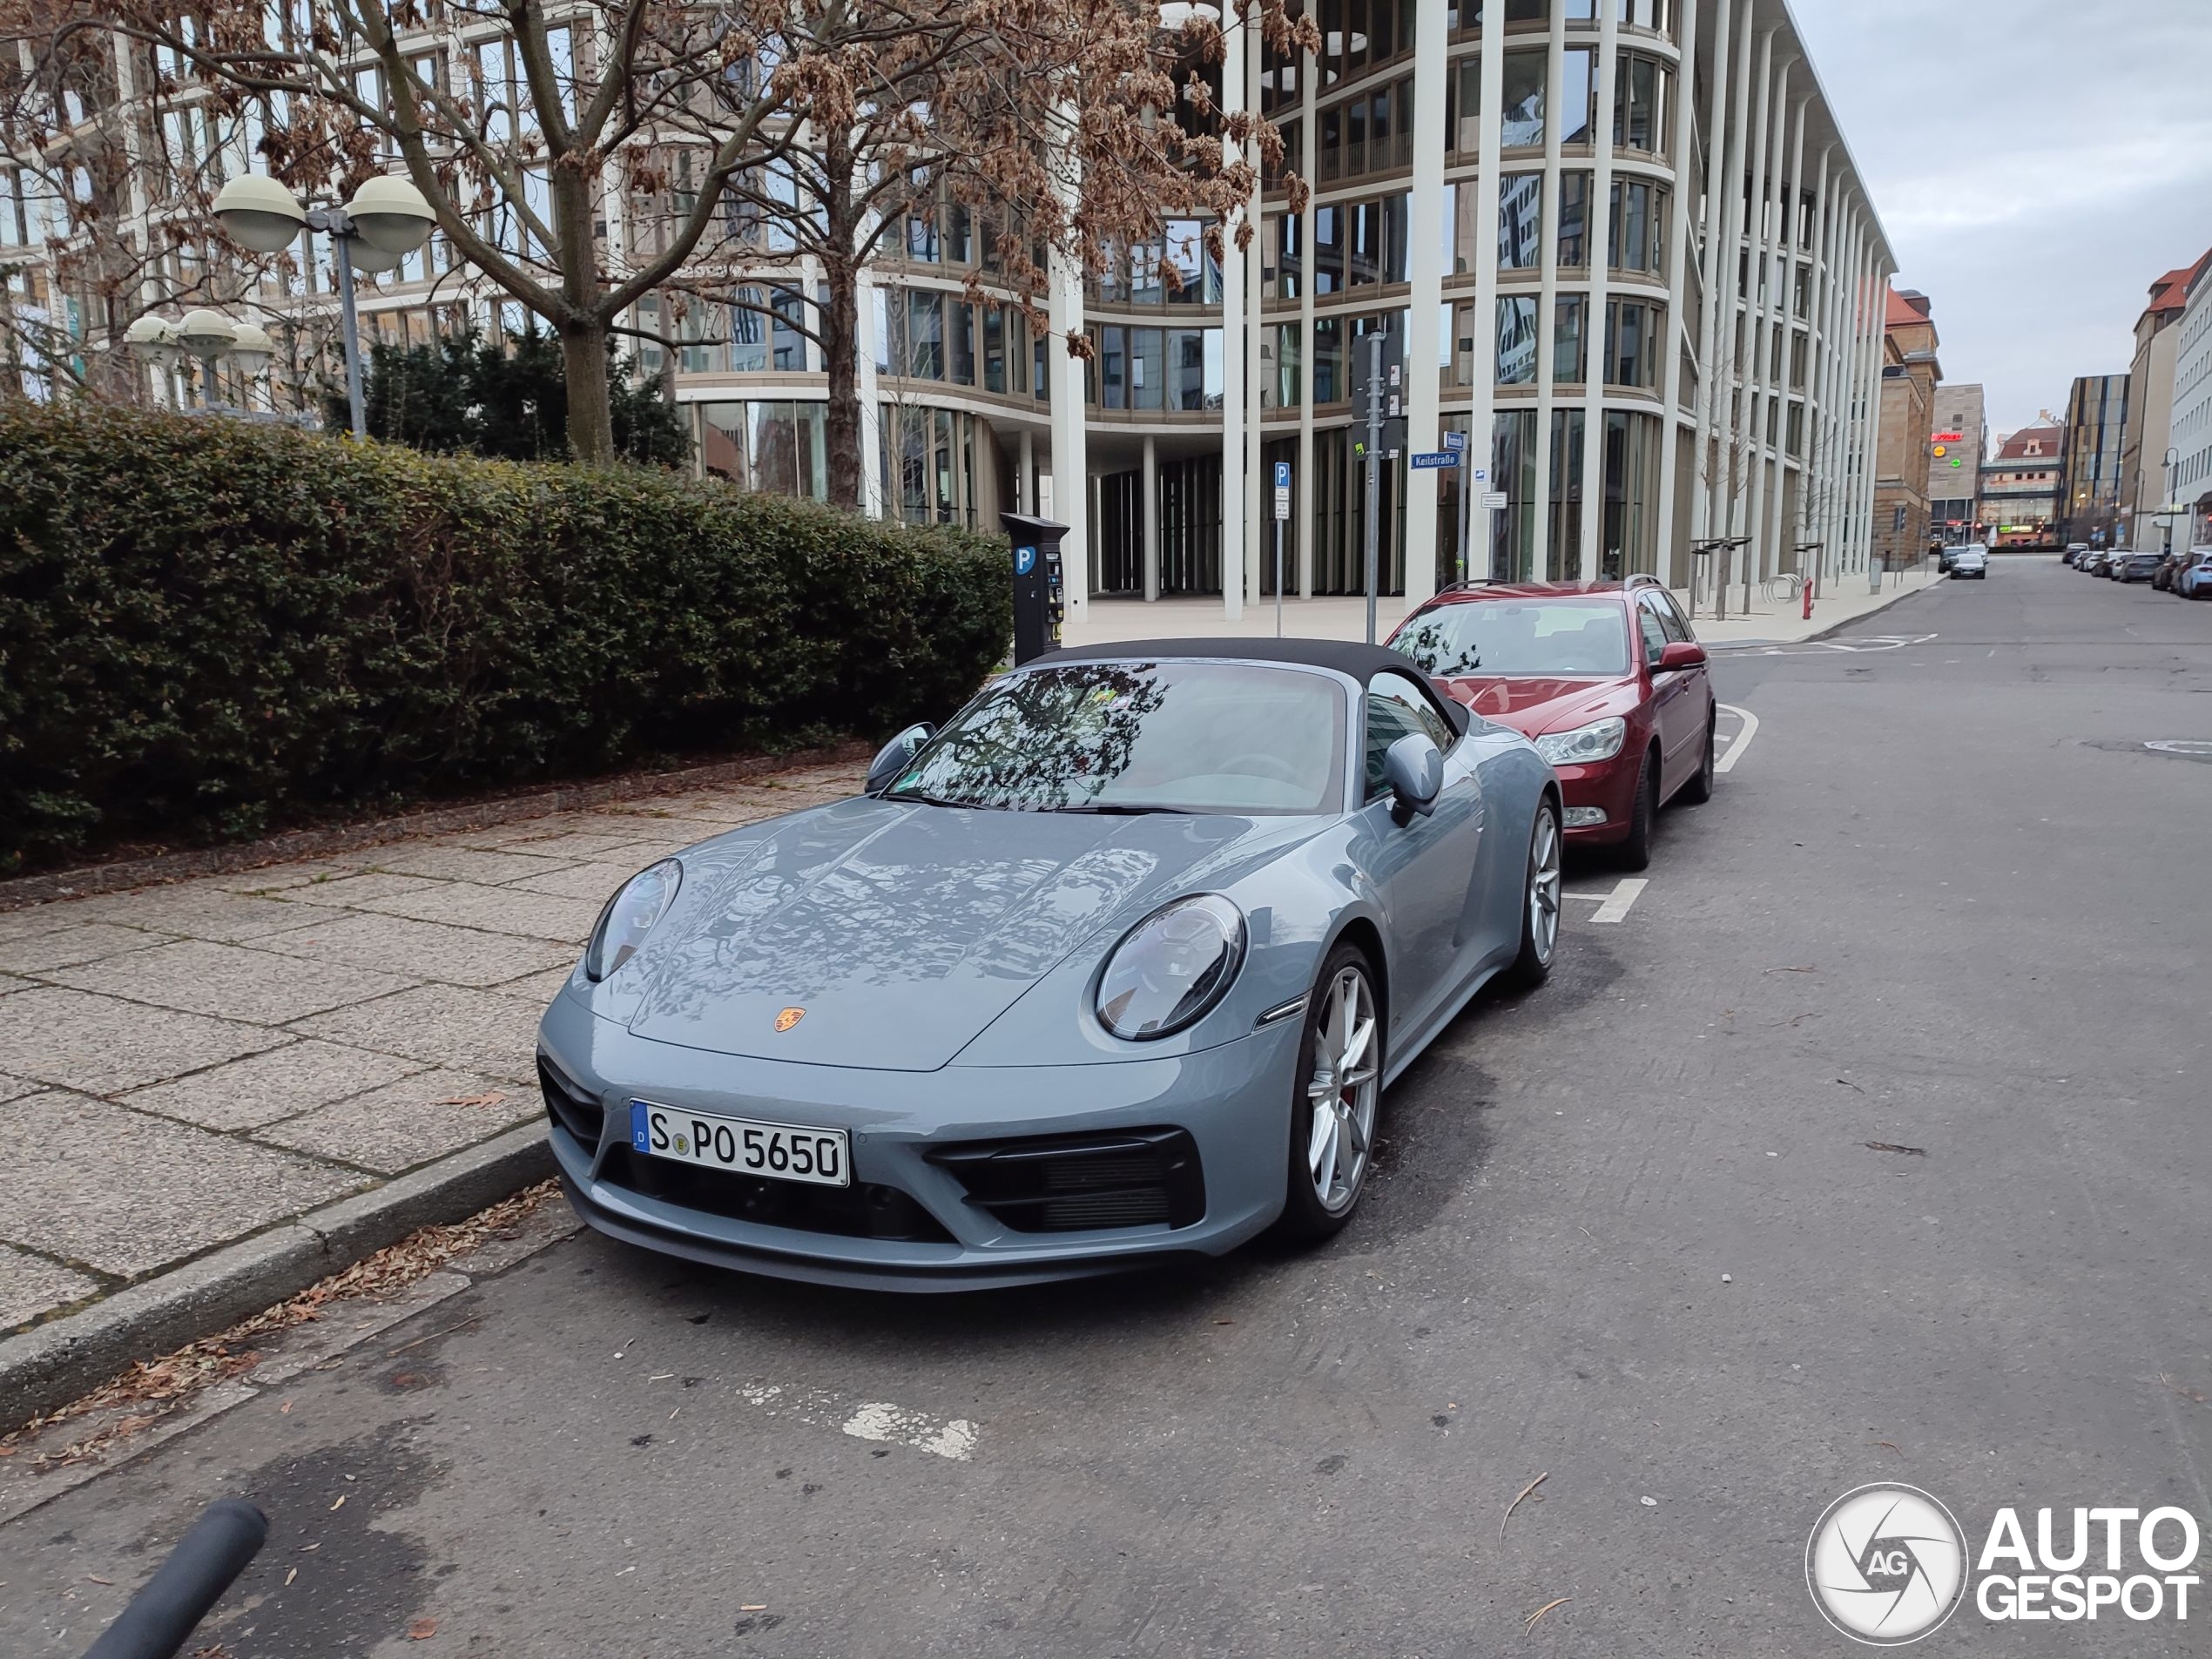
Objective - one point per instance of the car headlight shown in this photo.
(1171, 967)
(630, 915)
(1599, 740)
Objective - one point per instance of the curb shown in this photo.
(1898, 598)
(65, 1358)
(83, 880)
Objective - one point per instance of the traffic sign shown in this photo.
(1482, 475)
(1455, 441)
(1282, 489)
(1432, 460)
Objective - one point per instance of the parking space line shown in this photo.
(879, 1420)
(1741, 740)
(1613, 906)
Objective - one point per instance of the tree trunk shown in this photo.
(592, 415)
(840, 356)
(841, 327)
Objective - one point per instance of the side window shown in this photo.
(1654, 631)
(1671, 617)
(1395, 710)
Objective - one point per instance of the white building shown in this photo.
(2190, 426)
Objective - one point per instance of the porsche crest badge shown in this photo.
(789, 1018)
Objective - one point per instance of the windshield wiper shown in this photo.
(917, 796)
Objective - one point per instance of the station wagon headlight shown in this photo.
(1599, 740)
(1171, 967)
(630, 915)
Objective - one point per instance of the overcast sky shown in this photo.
(2037, 163)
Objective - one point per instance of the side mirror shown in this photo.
(1414, 768)
(1679, 654)
(891, 759)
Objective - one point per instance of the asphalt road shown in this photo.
(1628, 1235)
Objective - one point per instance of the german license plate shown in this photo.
(773, 1151)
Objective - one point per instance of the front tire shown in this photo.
(1699, 790)
(1339, 1092)
(1539, 903)
(1636, 852)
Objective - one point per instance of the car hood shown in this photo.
(1533, 704)
(903, 931)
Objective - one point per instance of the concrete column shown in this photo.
(1259, 528)
(1070, 445)
(1835, 359)
(1547, 556)
(1482, 418)
(1813, 478)
(1674, 561)
(1424, 395)
(1025, 475)
(1234, 344)
(1793, 243)
(1609, 78)
(1762, 554)
(1729, 290)
(1302, 473)
(1151, 542)
(1712, 384)
(1745, 435)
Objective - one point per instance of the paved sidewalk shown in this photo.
(1777, 621)
(186, 1067)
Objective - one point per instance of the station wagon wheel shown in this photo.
(1338, 1090)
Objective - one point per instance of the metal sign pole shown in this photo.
(1374, 475)
(1281, 517)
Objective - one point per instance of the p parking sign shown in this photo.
(1025, 560)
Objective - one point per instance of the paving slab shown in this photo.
(338, 892)
(30, 1285)
(163, 1191)
(11, 1088)
(591, 881)
(263, 1087)
(197, 910)
(446, 1025)
(575, 843)
(464, 903)
(424, 950)
(455, 860)
(541, 987)
(409, 1122)
(102, 1045)
(231, 981)
(42, 953)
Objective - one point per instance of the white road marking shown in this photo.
(1741, 740)
(1617, 905)
(879, 1420)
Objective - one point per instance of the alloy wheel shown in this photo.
(1345, 1086)
(1544, 886)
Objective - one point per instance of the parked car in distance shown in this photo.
(1606, 677)
(2075, 552)
(2135, 567)
(1972, 560)
(2096, 562)
(2193, 579)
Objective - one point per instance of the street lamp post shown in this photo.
(207, 335)
(386, 220)
(2173, 460)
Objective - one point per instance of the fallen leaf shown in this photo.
(492, 1099)
(753, 1606)
(285, 1410)
(289, 1576)
(422, 1629)
(341, 1504)
(96, 1578)
(1531, 1624)
(1886, 1146)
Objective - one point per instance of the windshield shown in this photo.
(1141, 737)
(1520, 637)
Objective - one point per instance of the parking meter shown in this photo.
(1040, 590)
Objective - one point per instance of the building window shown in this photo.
(1639, 89)
(1578, 96)
(1522, 123)
(1574, 219)
(1517, 340)
(1329, 383)
(925, 333)
(1568, 367)
(1289, 389)
(1463, 108)
(1148, 374)
(1328, 250)
(1639, 215)
(1520, 221)
(1113, 369)
(1632, 330)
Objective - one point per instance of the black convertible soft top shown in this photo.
(1361, 661)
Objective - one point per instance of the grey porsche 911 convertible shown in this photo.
(1114, 967)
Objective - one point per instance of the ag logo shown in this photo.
(1887, 1564)
(789, 1018)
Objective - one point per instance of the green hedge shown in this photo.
(210, 629)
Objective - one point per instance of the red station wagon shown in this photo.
(1605, 677)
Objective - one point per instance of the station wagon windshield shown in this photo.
(1521, 637)
(1141, 737)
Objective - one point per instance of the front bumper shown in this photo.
(1607, 786)
(1232, 1101)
